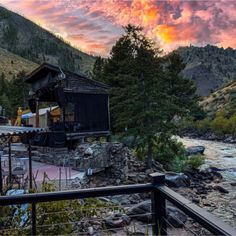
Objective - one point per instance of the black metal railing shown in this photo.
(160, 194)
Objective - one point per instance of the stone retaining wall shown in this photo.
(97, 156)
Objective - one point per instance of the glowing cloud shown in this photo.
(94, 26)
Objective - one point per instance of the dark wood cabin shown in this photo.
(83, 103)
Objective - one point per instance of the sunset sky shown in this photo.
(93, 26)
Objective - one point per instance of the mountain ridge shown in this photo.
(209, 67)
(24, 38)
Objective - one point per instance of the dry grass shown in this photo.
(219, 99)
(11, 64)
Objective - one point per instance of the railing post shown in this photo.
(33, 219)
(9, 160)
(1, 181)
(30, 163)
(158, 206)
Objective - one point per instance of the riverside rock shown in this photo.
(220, 189)
(194, 150)
(142, 212)
(177, 180)
(117, 221)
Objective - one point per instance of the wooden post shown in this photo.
(158, 206)
(108, 111)
(30, 164)
(60, 178)
(65, 168)
(9, 160)
(37, 113)
(1, 185)
(108, 138)
(33, 219)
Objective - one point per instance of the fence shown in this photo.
(160, 194)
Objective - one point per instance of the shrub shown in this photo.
(178, 164)
(203, 125)
(195, 161)
(171, 154)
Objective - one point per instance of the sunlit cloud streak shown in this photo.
(94, 26)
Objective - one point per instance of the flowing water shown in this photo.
(218, 154)
(222, 156)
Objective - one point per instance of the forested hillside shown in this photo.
(11, 64)
(209, 67)
(28, 40)
(223, 98)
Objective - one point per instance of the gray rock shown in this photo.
(176, 217)
(177, 180)
(117, 221)
(142, 212)
(220, 189)
(88, 152)
(90, 230)
(228, 156)
(193, 150)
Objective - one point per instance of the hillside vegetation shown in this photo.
(28, 40)
(11, 64)
(224, 98)
(209, 67)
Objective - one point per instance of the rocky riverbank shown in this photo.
(115, 164)
(226, 138)
(221, 158)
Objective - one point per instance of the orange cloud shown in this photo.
(94, 25)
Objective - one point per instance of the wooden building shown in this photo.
(83, 103)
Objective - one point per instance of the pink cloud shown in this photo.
(95, 25)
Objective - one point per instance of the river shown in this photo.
(222, 156)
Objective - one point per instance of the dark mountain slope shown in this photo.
(28, 40)
(209, 67)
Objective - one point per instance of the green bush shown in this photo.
(195, 161)
(178, 164)
(171, 154)
(203, 125)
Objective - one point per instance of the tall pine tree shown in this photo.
(147, 92)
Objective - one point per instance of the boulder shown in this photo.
(177, 180)
(117, 221)
(220, 189)
(176, 217)
(142, 212)
(211, 173)
(88, 151)
(228, 156)
(194, 150)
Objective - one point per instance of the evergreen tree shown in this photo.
(147, 91)
(4, 94)
(132, 71)
(97, 73)
(181, 99)
(19, 92)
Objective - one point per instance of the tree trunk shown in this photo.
(149, 155)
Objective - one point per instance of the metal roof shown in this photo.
(7, 130)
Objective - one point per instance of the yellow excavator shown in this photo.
(20, 112)
(18, 118)
(18, 122)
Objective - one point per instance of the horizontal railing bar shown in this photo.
(75, 194)
(204, 218)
